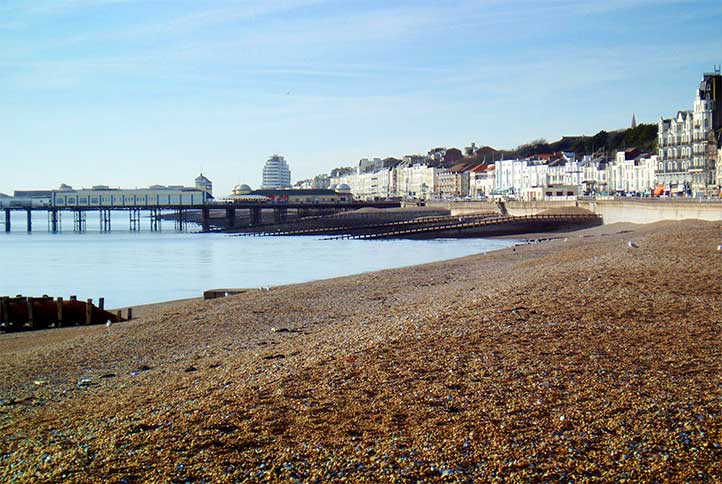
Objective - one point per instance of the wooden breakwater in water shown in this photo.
(487, 226)
(27, 313)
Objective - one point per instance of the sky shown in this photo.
(132, 93)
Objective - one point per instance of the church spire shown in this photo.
(634, 121)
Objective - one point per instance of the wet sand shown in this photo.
(582, 360)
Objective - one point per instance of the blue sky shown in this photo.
(132, 93)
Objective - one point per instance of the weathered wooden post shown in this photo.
(4, 310)
(88, 311)
(7, 220)
(101, 303)
(73, 298)
(119, 315)
(30, 219)
(130, 314)
(30, 312)
(60, 312)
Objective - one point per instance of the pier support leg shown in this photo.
(280, 214)
(155, 220)
(30, 220)
(53, 221)
(134, 219)
(104, 220)
(180, 221)
(7, 220)
(205, 222)
(79, 221)
(256, 216)
(230, 218)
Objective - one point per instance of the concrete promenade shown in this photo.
(639, 211)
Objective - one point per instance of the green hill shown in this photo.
(644, 137)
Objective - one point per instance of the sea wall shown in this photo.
(639, 211)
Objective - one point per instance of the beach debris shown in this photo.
(632, 245)
(274, 357)
(108, 323)
(719, 248)
(108, 375)
(85, 382)
(39, 382)
(280, 330)
(139, 370)
(190, 369)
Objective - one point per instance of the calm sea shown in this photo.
(132, 268)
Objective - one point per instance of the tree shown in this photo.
(452, 156)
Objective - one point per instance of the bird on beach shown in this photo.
(632, 245)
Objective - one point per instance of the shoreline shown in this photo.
(529, 238)
(553, 357)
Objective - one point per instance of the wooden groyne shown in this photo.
(487, 227)
(22, 312)
(375, 228)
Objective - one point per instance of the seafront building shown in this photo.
(688, 162)
(103, 195)
(204, 184)
(276, 173)
(688, 143)
(482, 180)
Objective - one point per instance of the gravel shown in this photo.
(577, 359)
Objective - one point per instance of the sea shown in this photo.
(130, 268)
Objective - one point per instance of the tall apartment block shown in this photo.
(688, 143)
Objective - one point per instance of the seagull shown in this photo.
(108, 323)
(632, 245)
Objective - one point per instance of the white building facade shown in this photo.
(276, 173)
(684, 160)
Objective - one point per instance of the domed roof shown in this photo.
(343, 187)
(241, 189)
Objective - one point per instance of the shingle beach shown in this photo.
(581, 359)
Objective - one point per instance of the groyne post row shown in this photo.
(21, 312)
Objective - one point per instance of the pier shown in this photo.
(181, 214)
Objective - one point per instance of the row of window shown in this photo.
(120, 200)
